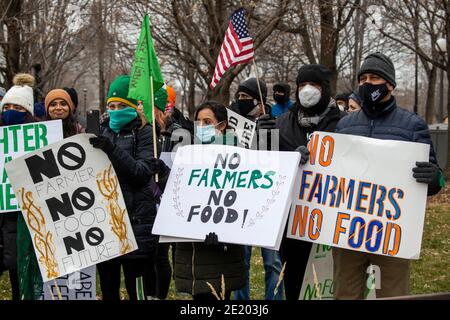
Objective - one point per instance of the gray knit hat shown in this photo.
(379, 64)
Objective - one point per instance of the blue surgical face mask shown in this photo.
(206, 134)
(11, 117)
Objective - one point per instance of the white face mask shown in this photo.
(309, 96)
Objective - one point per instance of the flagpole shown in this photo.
(155, 149)
(259, 88)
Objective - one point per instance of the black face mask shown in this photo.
(279, 98)
(245, 106)
(372, 94)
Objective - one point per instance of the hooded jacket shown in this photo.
(279, 108)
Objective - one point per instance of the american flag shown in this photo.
(237, 47)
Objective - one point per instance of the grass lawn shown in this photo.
(430, 274)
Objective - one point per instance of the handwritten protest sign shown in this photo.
(318, 281)
(78, 285)
(244, 128)
(18, 140)
(242, 195)
(359, 193)
(73, 206)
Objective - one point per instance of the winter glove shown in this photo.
(265, 122)
(102, 142)
(157, 166)
(429, 173)
(212, 241)
(305, 154)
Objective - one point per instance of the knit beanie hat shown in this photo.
(21, 93)
(73, 95)
(118, 91)
(161, 99)
(59, 94)
(250, 87)
(379, 64)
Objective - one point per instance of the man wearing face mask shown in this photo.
(248, 101)
(315, 110)
(281, 92)
(381, 118)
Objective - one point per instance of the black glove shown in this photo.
(427, 172)
(102, 142)
(157, 166)
(212, 241)
(266, 122)
(305, 154)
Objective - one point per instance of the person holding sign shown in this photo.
(60, 105)
(381, 118)
(248, 101)
(199, 263)
(315, 110)
(130, 149)
(17, 108)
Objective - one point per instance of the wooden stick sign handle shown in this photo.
(155, 149)
(259, 87)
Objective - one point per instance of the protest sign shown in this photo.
(18, 140)
(242, 195)
(73, 206)
(244, 128)
(318, 281)
(359, 193)
(79, 285)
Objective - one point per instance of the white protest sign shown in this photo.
(318, 281)
(80, 285)
(73, 206)
(244, 128)
(18, 140)
(359, 193)
(242, 195)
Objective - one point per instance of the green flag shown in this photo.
(145, 67)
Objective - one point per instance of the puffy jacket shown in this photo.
(293, 135)
(130, 157)
(391, 123)
(278, 109)
(195, 264)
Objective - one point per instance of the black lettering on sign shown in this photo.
(63, 207)
(38, 166)
(94, 236)
(83, 198)
(73, 243)
(65, 154)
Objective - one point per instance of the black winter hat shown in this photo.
(282, 87)
(250, 87)
(73, 95)
(379, 64)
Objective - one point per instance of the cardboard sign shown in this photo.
(18, 140)
(73, 206)
(359, 193)
(242, 195)
(244, 128)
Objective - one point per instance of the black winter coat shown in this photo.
(391, 123)
(292, 135)
(130, 159)
(8, 238)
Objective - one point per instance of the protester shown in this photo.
(248, 104)
(199, 263)
(281, 93)
(381, 118)
(129, 146)
(247, 101)
(18, 108)
(342, 101)
(354, 102)
(315, 110)
(59, 104)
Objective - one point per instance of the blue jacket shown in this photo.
(278, 109)
(391, 123)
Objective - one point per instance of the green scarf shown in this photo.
(119, 118)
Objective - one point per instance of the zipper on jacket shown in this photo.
(193, 268)
(371, 128)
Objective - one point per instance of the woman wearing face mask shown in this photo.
(59, 105)
(129, 146)
(199, 263)
(314, 111)
(18, 108)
